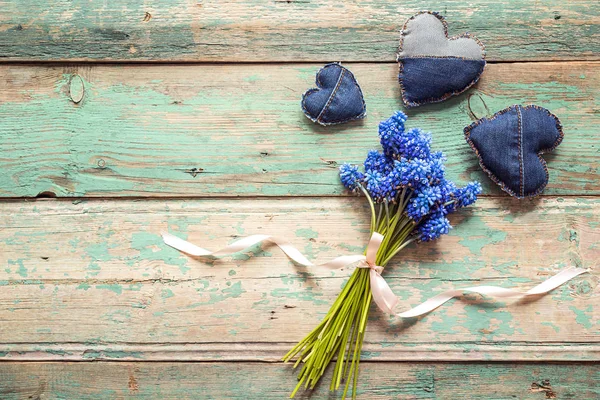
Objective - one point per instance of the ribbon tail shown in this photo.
(249, 241)
(193, 250)
(494, 291)
(383, 296)
(557, 280)
(430, 304)
(184, 246)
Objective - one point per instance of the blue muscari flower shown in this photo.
(395, 176)
(467, 195)
(397, 143)
(422, 202)
(437, 167)
(378, 162)
(390, 130)
(433, 227)
(413, 173)
(462, 197)
(414, 144)
(350, 176)
(407, 162)
(447, 189)
(390, 189)
(376, 187)
(380, 187)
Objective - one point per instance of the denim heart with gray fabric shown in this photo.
(434, 67)
(509, 146)
(336, 99)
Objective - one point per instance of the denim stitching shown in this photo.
(440, 57)
(333, 92)
(467, 132)
(320, 86)
(520, 146)
(408, 103)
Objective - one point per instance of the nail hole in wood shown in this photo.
(194, 171)
(46, 195)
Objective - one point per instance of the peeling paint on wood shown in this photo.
(89, 280)
(237, 130)
(243, 381)
(213, 30)
(97, 273)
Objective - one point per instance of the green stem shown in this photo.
(341, 333)
(371, 206)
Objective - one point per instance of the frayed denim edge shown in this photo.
(493, 177)
(320, 86)
(409, 104)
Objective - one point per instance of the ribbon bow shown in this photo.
(383, 296)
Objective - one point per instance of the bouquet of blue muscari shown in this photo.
(410, 199)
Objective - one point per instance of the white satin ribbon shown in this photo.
(382, 293)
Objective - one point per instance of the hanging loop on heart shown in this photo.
(470, 111)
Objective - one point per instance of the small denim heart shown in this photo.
(434, 67)
(510, 144)
(336, 99)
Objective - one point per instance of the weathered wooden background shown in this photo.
(121, 120)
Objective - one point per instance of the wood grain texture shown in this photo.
(89, 280)
(213, 150)
(214, 30)
(125, 380)
(238, 130)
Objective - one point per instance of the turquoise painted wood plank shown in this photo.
(237, 130)
(92, 280)
(211, 30)
(274, 381)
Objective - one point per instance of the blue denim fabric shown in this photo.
(336, 99)
(431, 79)
(509, 146)
(434, 67)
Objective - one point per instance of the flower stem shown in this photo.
(341, 333)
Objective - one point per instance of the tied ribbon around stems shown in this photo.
(383, 296)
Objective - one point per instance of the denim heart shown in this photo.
(336, 99)
(434, 67)
(509, 146)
